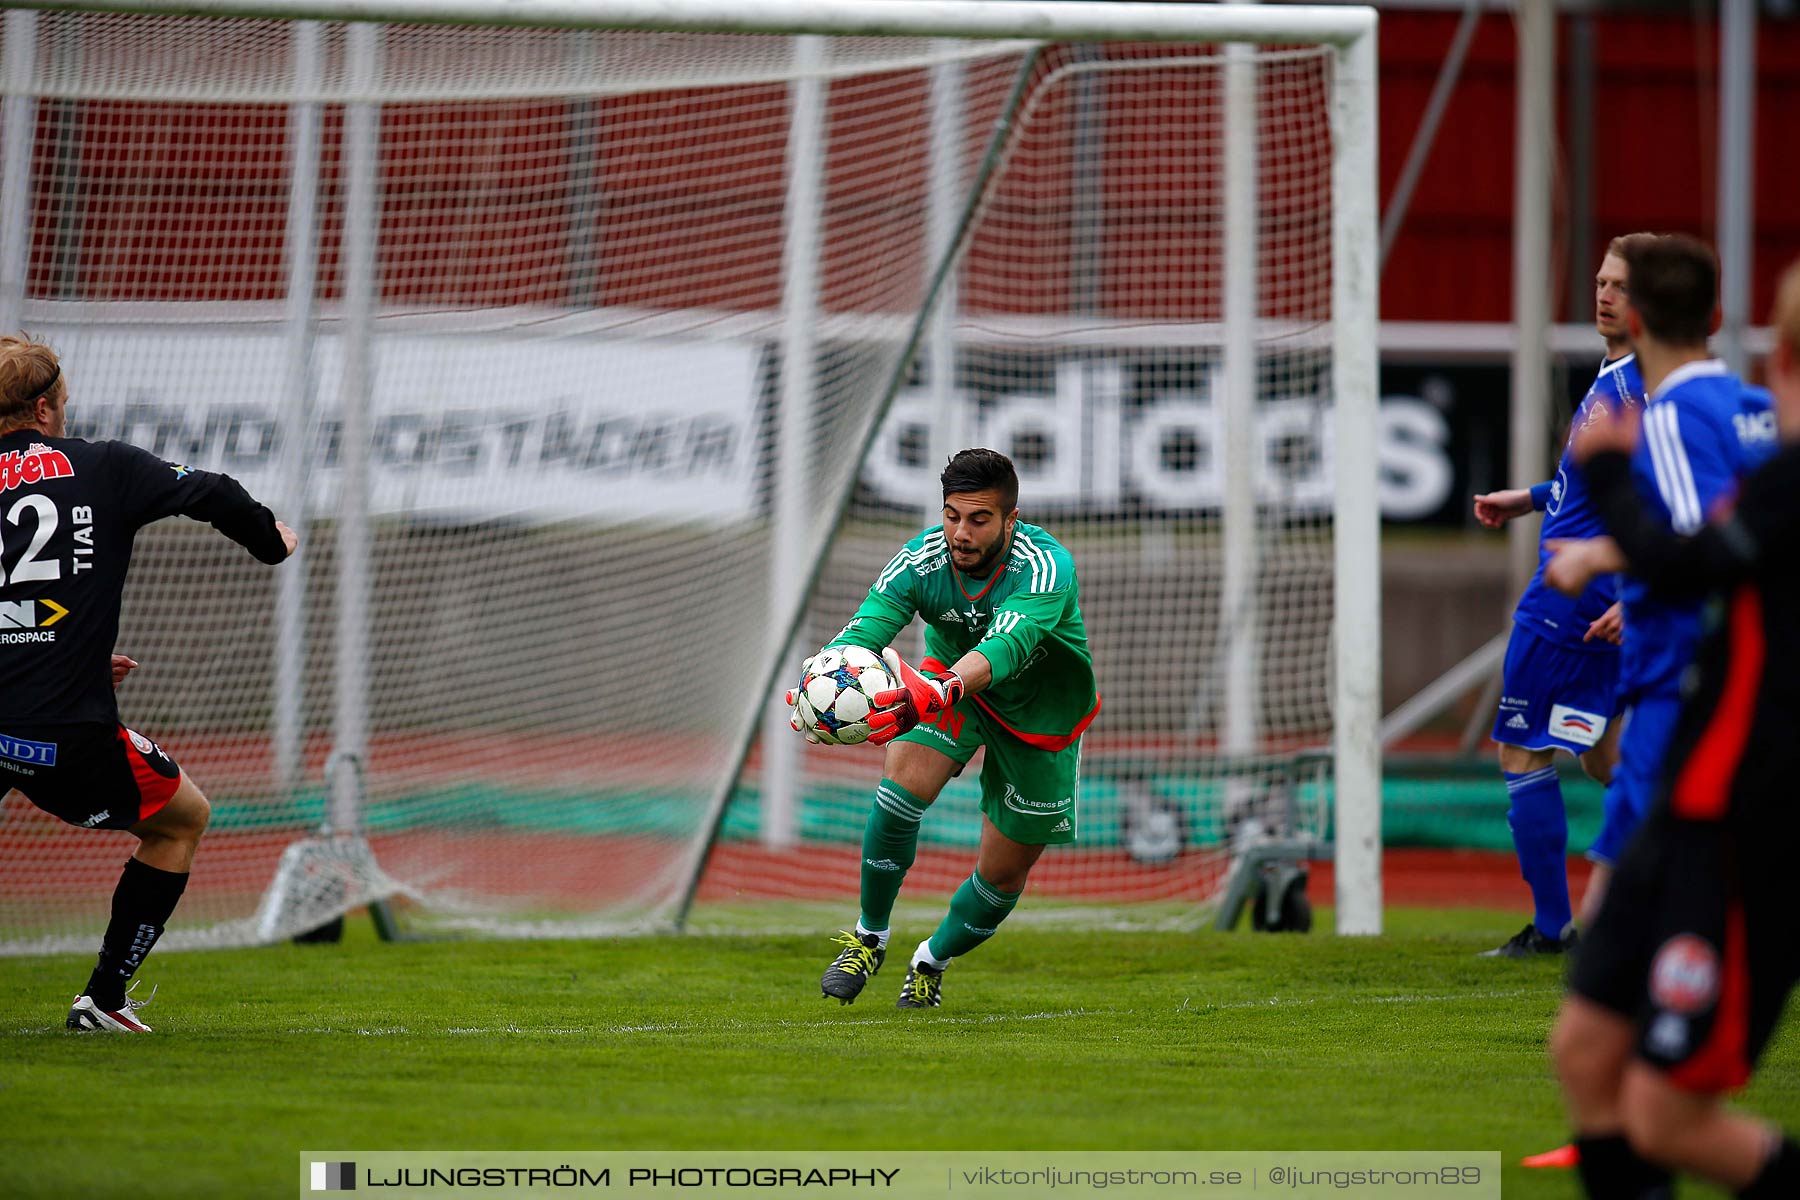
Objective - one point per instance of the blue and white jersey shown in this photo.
(1568, 514)
(1704, 430)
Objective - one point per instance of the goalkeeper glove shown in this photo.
(791, 698)
(918, 698)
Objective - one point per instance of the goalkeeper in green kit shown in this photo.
(1007, 667)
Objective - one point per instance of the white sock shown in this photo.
(881, 933)
(924, 955)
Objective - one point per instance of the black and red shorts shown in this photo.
(1698, 945)
(88, 775)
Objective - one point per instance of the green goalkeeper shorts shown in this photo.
(1028, 793)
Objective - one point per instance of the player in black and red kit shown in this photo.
(1682, 979)
(69, 511)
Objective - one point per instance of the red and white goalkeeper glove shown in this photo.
(918, 698)
(791, 698)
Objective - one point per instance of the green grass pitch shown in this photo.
(1050, 1039)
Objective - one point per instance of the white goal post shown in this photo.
(501, 301)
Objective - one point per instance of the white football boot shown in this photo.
(88, 1017)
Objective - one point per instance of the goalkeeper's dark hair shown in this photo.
(1673, 284)
(978, 470)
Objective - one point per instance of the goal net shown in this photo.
(602, 369)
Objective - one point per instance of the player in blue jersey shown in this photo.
(1562, 661)
(1703, 430)
(1684, 973)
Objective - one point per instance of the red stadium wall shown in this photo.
(1655, 134)
(478, 198)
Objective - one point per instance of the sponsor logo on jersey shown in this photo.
(25, 750)
(1754, 428)
(181, 472)
(1033, 808)
(1514, 702)
(949, 614)
(144, 745)
(94, 821)
(38, 463)
(1574, 725)
(1668, 1036)
(1684, 977)
(935, 729)
(30, 614)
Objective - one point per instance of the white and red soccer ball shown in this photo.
(837, 693)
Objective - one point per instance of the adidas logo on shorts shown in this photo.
(1518, 722)
(1061, 826)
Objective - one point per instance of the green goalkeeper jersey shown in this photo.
(1024, 618)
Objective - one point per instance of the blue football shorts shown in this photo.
(1553, 697)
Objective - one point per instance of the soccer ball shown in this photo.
(837, 693)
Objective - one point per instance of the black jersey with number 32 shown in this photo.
(69, 511)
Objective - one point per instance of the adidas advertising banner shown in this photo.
(1123, 434)
(975, 1175)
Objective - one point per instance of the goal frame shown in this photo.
(1350, 32)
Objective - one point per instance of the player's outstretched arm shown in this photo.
(1717, 554)
(1494, 509)
(231, 510)
(151, 489)
(1576, 562)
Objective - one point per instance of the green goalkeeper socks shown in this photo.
(890, 842)
(975, 913)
